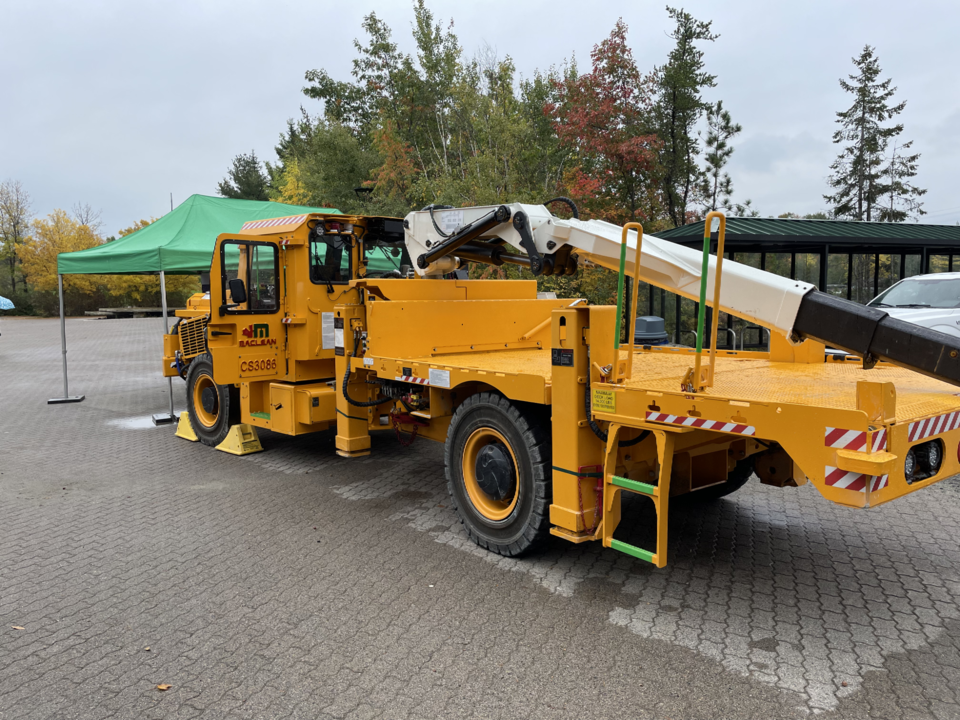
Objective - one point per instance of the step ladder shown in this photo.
(613, 485)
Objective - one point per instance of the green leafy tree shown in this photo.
(859, 180)
(246, 179)
(15, 218)
(431, 126)
(678, 109)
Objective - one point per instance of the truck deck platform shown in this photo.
(741, 376)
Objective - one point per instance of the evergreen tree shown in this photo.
(859, 180)
(678, 108)
(717, 187)
(245, 179)
(902, 199)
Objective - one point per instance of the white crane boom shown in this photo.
(758, 296)
(439, 240)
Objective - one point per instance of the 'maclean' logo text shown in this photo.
(259, 335)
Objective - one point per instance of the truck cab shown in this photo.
(267, 324)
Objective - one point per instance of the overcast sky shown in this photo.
(118, 104)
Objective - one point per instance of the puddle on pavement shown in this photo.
(132, 423)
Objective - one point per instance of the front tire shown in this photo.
(497, 461)
(213, 408)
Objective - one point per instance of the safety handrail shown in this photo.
(633, 311)
(734, 333)
(701, 315)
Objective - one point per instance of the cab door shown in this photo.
(245, 334)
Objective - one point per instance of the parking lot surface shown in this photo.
(296, 584)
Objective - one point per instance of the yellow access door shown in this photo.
(245, 334)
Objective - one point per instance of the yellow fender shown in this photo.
(241, 440)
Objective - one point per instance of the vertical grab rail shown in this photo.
(708, 381)
(633, 310)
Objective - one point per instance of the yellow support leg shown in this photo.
(613, 485)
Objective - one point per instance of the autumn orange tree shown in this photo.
(57, 233)
(603, 118)
(60, 233)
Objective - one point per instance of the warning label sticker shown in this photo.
(451, 221)
(604, 400)
(439, 378)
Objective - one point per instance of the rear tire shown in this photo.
(213, 408)
(497, 461)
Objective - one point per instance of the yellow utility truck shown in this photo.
(546, 418)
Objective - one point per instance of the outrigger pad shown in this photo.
(185, 429)
(241, 440)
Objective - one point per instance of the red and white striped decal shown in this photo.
(857, 482)
(845, 439)
(703, 424)
(854, 439)
(879, 440)
(289, 220)
(922, 429)
(412, 379)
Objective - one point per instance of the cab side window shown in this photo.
(257, 266)
(329, 260)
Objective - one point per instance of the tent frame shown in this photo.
(159, 418)
(156, 259)
(66, 397)
(165, 418)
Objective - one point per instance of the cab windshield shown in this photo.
(920, 293)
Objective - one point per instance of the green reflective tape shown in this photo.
(632, 550)
(635, 486)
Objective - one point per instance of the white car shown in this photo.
(931, 301)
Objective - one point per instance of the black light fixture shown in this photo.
(363, 193)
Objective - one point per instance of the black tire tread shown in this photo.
(537, 438)
(230, 398)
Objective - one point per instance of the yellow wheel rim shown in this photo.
(207, 419)
(491, 509)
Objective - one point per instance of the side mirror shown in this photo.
(238, 292)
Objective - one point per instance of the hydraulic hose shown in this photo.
(346, 379)
(569, 203)
(602, 434)
(436, 227)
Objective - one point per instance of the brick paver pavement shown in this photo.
(294, 583)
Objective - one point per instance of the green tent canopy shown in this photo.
(179, 243)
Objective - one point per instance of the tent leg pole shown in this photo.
(63, 350)
(165, 418)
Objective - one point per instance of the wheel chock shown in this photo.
(241, 440)
(185, 429)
